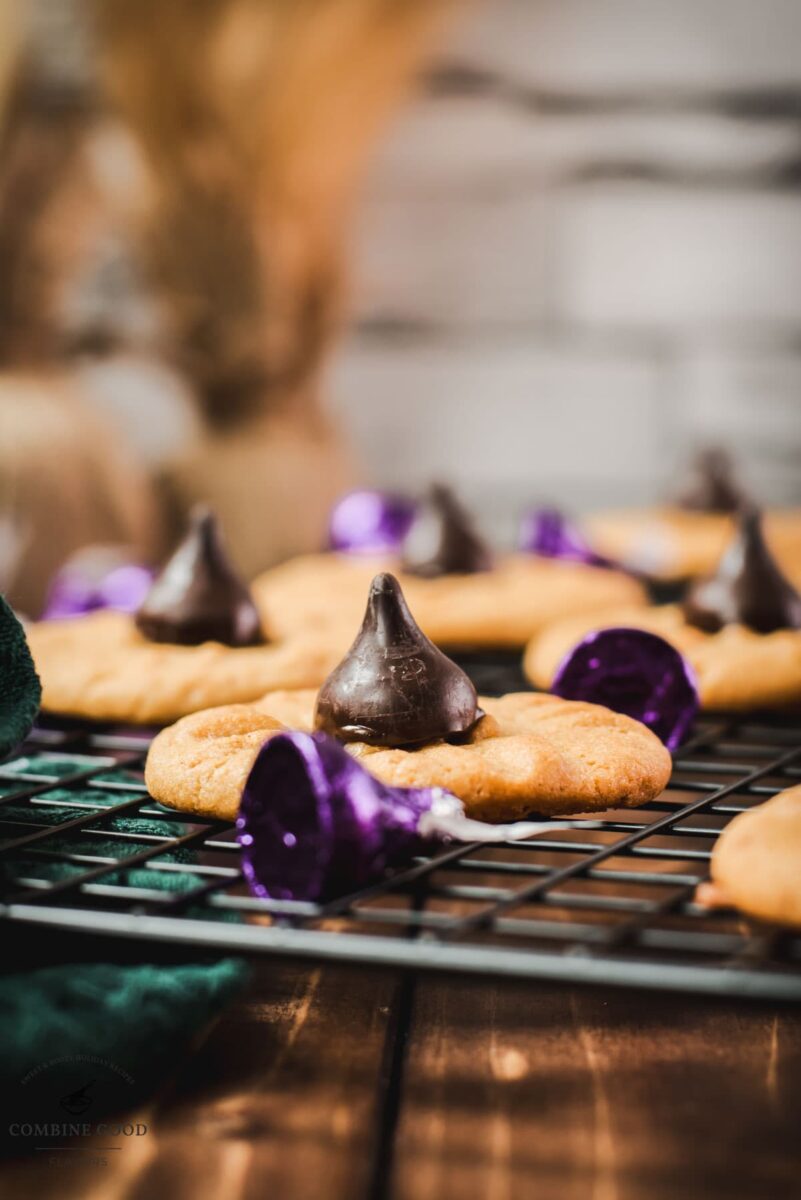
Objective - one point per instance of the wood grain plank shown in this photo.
(515, 1091)
(509, 1090)
(280, 1100)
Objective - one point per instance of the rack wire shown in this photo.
(84, 848)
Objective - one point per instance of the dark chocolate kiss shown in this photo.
(442, 540)
(748, 587)
(394, 687)
(198, 597)
(713, 485)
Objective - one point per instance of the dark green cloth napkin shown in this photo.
(20, 689)
(85, 1039)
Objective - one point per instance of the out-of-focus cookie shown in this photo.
(501, 607)
(196, 639)
(673, 544)
(101, 667)
(686, 536)
(756, 862)
(528, 753)
(735, 668)
(740, 629)
(462, 594)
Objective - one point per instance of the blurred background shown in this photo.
(579, 252)
(256, 252)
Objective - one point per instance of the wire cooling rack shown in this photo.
(84, 848)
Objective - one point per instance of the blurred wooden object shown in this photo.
(65, 482)
(218, 153)
(9, 45)
(271, 479)
(255, 118)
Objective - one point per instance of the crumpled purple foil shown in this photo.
(314, 824)
(78, 588)
(370, 522)
(548, 532)
(636, 673)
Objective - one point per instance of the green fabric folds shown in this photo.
(82, 1040)
(20, 689)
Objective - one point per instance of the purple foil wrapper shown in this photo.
(370, 522)
(78, 589)
(314, 824)
(548, 532)
(636, 673)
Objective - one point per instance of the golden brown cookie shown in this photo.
(528, 754)
(735, 668)
(674, 543)
(99, 666)
(497, 608)
(756, 862)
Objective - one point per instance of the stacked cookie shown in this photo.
(412, 717)
(739, 628)
(685, 536)
(238, 667)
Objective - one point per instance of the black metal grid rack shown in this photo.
(84, 848)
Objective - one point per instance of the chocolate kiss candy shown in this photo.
(713, 486)
(198, 597)
(442, 541)
(748, 587)
(394, 687)
(549, 533)
(369, 522)
(314, 824)
(632, 672)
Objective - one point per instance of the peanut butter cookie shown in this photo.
(528, 753)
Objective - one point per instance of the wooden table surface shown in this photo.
(340, 1083)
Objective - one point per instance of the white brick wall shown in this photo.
(623, 45)
(679, 259)
(593, 221)
(509, 423)
(753, 393)
(479, 260)
(463, 146)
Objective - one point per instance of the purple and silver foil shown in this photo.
(84, 585)
(314, 824)
(636, 673)
(370, 522)
(549, 533)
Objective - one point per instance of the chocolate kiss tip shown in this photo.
(394, 687)
(202, 517)
(198, 596)
(713, 485)
(385, 582)
(442, 540)
(748, 587)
